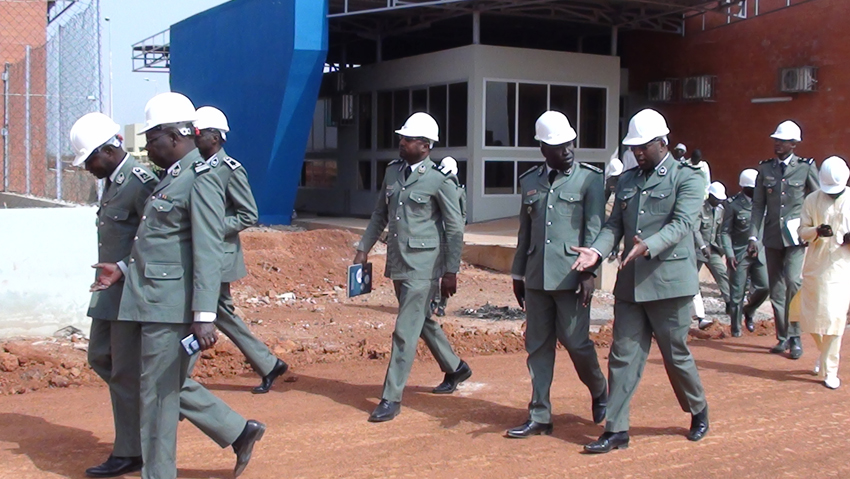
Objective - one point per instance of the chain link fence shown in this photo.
(51, 72)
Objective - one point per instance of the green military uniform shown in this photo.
(653, 294)
(240, 213)
(174, 270)
(425, 240)
(553, 218)
(734, 237)
(438, 301)
(711, 221)
(778, 198)
(113, 351)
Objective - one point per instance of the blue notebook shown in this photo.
(359, 279)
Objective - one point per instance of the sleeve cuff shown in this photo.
(517, 277)
(752, 238)
(596, 251)
(204, 317)
(123, 267)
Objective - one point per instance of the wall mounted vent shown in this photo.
(800, 79)
(660, 91)
(698, 88)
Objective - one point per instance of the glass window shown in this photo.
(500, 120)
(498, 177)
(380, 171)
(461, 172)
(401, 110)
(419, 100)
(364, 121)
(532, 104)
(565, 99)
(522, 167)
(437, 104)
(385, 119)
(593, 116)
(364, 175)
(457, 114)
(319, 174)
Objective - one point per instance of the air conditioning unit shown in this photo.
(660, 90)
(698, 88)
(800, 79)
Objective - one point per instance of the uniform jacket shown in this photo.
(121, 209)
(553, 218)
(710, 224)
(662, 209)
(735, 232)
(175, 264)
(419, 212)
(779, 198)
(240, 212)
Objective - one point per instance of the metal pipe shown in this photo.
(476, 27)
(5, 129)
(58, 100)
(27, 126)
(614, 31)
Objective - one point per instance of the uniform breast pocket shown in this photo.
(419, 205)
(163, 287)
(624, 198)
(742, 221)
(660, 202)
(165, 212)
(531, 206)
(116, 214)
(797, 188)
(568, 204)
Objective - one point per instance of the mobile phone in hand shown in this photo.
(190, 344)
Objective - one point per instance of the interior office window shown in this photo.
(319, 174)
(364, 120)
(384, 115)
(364, 175)
(500, 119)
(401, 110)
(437, 106)
(564, 98)
(532, 104)
(318, 127)
(461, 172)
(499, 177)
(457, 114)
(380, 171)
(522, 167)
(419, 100)
(594, 105)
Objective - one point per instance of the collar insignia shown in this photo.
(120, 178)
(662, 171)
(176, 170)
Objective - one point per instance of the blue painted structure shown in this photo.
(261, 63)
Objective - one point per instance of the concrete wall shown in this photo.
(45, 269)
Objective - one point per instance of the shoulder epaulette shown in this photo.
(395, 162)
(590, 167)
(437, 167)
(528, 171)
(142, 174)
(690, 165)
(233, 164)
(201, 166)
(765, 161)
(810, 161)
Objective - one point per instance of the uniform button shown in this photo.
(403, 188)
(782, 206)
(641, 211)
(398, 217)
(548, 223)
(135, 238)
(166, 274)
(132, 260)
(640, 231)
(395, 235)
(675, 255)
(423, 244)
(100, 244)
(548, 241)
(551, 191)
(644, 193)
(153, 197)
(116, 217)
(101, 223)
(105, 203)
(550, 207)
(144, 217)
(399, 203)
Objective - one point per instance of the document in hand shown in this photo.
(359, 279)
(790, 230)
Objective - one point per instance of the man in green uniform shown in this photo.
(782, 185)
(449, 166)
(241, 213)
(563, 205)
(710, 252)
(172, 286)
(734, 237)
(420, 205)
(656, 206)
(113, 352)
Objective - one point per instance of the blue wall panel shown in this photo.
(260, 62)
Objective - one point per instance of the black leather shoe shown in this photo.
(728, 308)
(699, 425)
(530, 428)
(116, 466)
(608, 441)
(385, 411)
(451, 380)
(736, 334)
(278, 370)
(440, 311)
(795, 347)
(780, 347)
(600, 406)
(243, 446)
(748, 321)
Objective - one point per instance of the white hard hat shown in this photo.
(210, 117)
(748, 178)
(833, 175)
(553, 128)
(788, 130)
(91, 131)
(166, 108)
(644, 127)
(613, 168)
(420, 125)
(718, 190)
(681, 146)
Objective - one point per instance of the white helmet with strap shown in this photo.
(169, 108)
(210, 117)
(90, 132)
(420, 125)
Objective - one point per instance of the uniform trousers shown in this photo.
(752, 268)
(717, 266)
(256, 352)
(634, 326)
(114, 355)
(558, 316)
(414, 321)
(785, 275)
